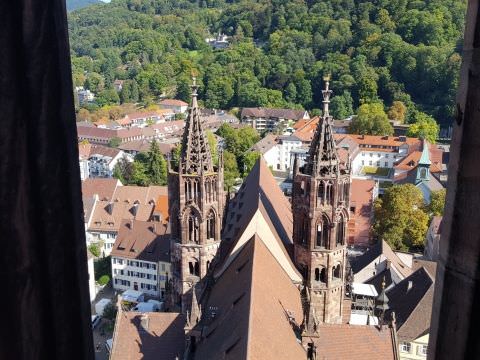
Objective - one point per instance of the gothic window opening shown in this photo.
(340, 231)
(211, 225)
(323, 276)
(197, 269)
(340, 192)
(191, 268)
(346, 191)
(319, 240)
(317, 274)
(321, 193)
(329, 194)
(208, 265)
(336, 272)
(193, 229)
(302, 188)
(305, 230)
(325, 232)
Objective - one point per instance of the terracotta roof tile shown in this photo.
(173, 102)
(361, 198)
(354, 342)
(143, 240)
(165, 337)
(104, 188)
(251, 317)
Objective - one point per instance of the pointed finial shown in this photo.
(194, 86)
(326, 96)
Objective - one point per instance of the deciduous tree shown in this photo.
(400, 218)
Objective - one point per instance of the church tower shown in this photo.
(320, 204)
(196, 203)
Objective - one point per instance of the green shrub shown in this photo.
(104, 279)
(94, 249)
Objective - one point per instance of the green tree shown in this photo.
(397, 111)
(342, 105)
(425, 127)
(437, 202)
(107, 97)
(230, 167)
(249, 160)
(156, 166)
(400, 218)
(123, 170)
(114, 142)
(212, 142)
(371, 120)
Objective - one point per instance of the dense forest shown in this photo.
(377, 51)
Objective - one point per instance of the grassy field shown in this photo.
(376, 171)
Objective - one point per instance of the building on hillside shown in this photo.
(96, 135)
(177, 106)
(118, 85)
(432, 243)
(196, 204)
(99, 160)
(218, 42)
(411, 300)
(141, 257)
(265, 119)
(143, 146)
(168, 129)
(146, 118)
(85, 96)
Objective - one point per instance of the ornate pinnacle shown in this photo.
(194, 86)
(326, 96)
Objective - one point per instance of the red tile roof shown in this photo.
(104, 188)
(143, 240)
(355, 342)
(173, 102)
(252, 320)
(164, 338)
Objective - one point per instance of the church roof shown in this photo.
(259, 207)
(247, 311)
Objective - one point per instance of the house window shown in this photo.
(378, 163)
(370, 162)
(405, 347)
(422, 350)
(386, 163)
(363, 162)
(387, 155)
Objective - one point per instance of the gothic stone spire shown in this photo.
(322, 157)
(196, 156)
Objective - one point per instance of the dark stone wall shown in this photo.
(45, 300)
(456, 311)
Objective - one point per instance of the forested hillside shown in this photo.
(375, 51)
(78, 4)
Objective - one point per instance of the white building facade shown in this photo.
(145, 276)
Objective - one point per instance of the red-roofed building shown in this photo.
(177, 106)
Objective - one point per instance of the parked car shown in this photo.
(95, 321)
